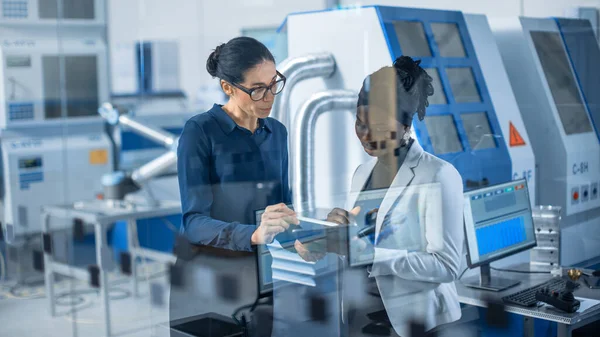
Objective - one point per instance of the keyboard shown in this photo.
(526, 297)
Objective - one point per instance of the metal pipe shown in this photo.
(154, 168)
(303, 141)
(114, 117)
(295, 70)
(160, 136)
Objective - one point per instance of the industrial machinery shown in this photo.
(553, 66)
(118, 184)
(53, 75)
(473, 120)
(146, 83)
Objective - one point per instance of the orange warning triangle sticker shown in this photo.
(515, 137)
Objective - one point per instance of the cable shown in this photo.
(461, 274)
(238, 310)
(520, 271)
(2, 267)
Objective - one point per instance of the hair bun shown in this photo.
(213, 60)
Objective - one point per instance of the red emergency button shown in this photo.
(575, 195)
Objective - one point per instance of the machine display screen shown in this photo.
(29, 163)
(443, 134)
(81, 85)
(439, 96)
(479, 133)
(18, 61)
(72, 9)
(554, 61)
(411, 37)
(463, 85)
(448, 39)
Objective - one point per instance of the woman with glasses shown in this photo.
(233, 161)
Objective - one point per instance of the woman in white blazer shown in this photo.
(417, 238)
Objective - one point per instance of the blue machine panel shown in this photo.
(20, 111)
(14, 9)
(441, 41)
(131, 141)
(584, 54)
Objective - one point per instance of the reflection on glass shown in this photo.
(463, 85)
(448, 39)
(439, 96)
(275, 41)
(411, 37)
(443, 134)
(561, 81)
(479, 133)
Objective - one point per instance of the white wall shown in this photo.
(536, 8)
(198, 25)
(135, 20)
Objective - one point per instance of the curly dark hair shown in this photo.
(416, 88)
(415, 81)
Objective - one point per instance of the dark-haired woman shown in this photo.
(416, 238)
(232, 161)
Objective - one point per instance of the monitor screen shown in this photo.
(369, 202)
(447, 38)
(479, 133)
(443, 134)
(276, 263)
(498, 222)
(411, 37)
(439, 96)
(557, 69)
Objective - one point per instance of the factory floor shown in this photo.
(24, 310)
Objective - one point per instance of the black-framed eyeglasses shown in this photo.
(259, 93)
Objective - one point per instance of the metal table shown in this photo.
(102, 215)
(566, 322)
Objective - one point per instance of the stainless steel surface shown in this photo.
(303, 141)
(73, 272)
(479, 298)
(101, 242)
(102, 215)
(164, 138)
(546, 218)
(295, 70)
(154, 168)
(97, 211)
(546, 222)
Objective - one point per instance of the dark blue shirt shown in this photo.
(226, 173)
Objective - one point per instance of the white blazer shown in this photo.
(416, 266)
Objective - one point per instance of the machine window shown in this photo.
(479, 133)
(463, 85)
(411, 37)
(72, 9)
(439, 96)
(443, 134)
(81, 86)
(554, 61)
(447, 38)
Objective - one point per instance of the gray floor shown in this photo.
(27, 314)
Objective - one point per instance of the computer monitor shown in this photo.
(369, 202)
(287, 263)
(498, 223)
